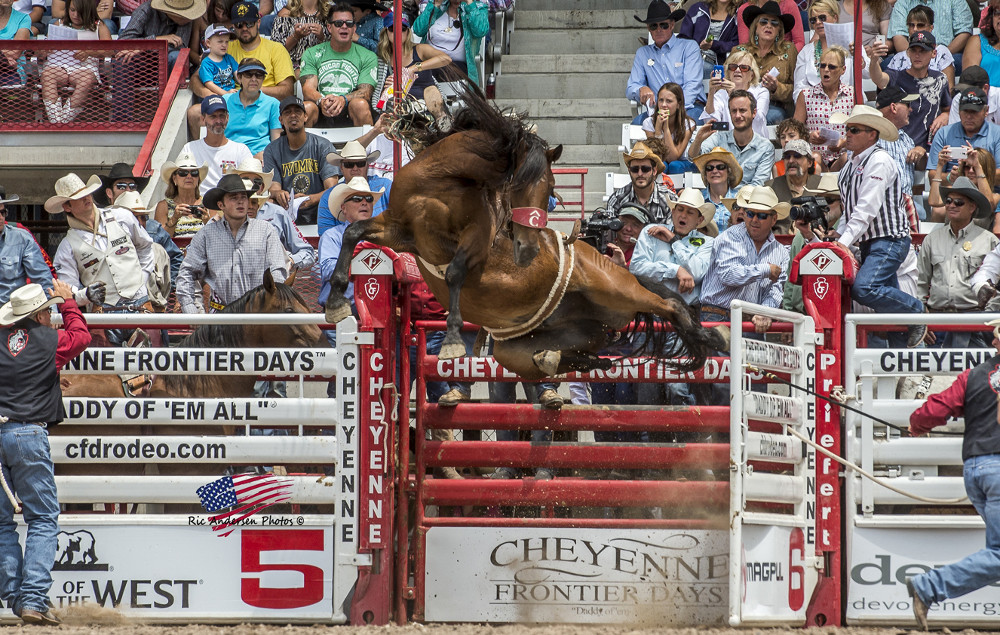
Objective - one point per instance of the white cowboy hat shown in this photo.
(252, 166)
(190, 9)
(187, 161)
(71, 188)
(132, 201)
(255, 196)
(741, 195)
(693, 198)
(357, 185)
(3, 196)
(827, 188)
(868, 116)
(353, 151)
(26, 301)
(762, 199)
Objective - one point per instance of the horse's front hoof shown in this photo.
(452, 351)
(722, 337)
(547, 361)
(335, 314)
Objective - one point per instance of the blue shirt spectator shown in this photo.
(325, 220)
(20, 260)
(740, 272)
(222, 74)
(252, 124)
(661, 260)
(971, 128)
(756, 158)
(329, 252)
(676, 60)
(299, 250)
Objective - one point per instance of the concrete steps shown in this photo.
(578, 19)
(573, 41)
(568, 109)
(593, 85)
(611, 63)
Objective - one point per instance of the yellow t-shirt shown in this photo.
(272, 55)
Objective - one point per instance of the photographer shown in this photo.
(180, 212)
(800, 173)
(812, 215)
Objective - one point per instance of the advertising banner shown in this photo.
(774, 575)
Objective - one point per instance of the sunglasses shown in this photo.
(819, 18)
(182, 172)
(766, 22)
(357, 198)
(126, 186)
(636, 169)
(716, 167)
(856, 130)
(258, 183)
(353, 164)
(662, 26)
(244, 25)
(741, 67)
(823, 66)
(954, 202)
(761, 215)
(342, 23)
(253, 74)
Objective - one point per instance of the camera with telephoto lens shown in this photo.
(599, 230)
(812, 210)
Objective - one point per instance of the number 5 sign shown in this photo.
(265, 550)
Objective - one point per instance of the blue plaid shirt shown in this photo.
(20, 260)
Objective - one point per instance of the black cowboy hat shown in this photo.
(118, 171)
(658, 11)
(772, 9)
(229, 184)
(369, 4)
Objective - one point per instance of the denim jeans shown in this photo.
(775, 114)
(982, 485)
(876, 285)
(27, 465)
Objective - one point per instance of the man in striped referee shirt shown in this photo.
(874, 217)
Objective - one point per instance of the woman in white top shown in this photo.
(671, 126)
(807, 73)
(76, 69)
(742, 73)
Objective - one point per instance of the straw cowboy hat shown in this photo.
(252, 166)
(762, 199)
(71, 188)
(228, 184)
(3, 196)
(772, 9)
(868, 116)
(642, 151)
(132, 201)
(827, 188)
(741, 195)
(721, 154)
(255, 196)
(357, 185)
(353, 151)
(693, 198)
(963, 185)
(190, 9)
(186, 161)
(24, 302)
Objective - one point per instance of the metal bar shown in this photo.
(168, 489)
(914, 451)
(168, 320)
(524, 454)
(625, 418)
(717, 522)
(705, 496)
(218, 361)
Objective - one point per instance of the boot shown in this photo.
(445, 472)
(550, 400)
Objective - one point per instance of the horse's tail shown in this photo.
(685, 348)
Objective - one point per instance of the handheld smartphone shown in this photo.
(717, 72)
(720, 125)
(959, 152)
(880, 39)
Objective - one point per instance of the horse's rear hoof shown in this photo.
(335, 314)
(547, 361)
(452, 351)
(722, 337)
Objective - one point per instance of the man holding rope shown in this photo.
(34, 353)
(974, 395)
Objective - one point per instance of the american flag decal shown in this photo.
(241, 496)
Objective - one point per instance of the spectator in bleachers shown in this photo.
(368, 23)
(118, 181)
(713, 26)
(104, 8)
(16, 26)
(805, 233)
(721, 175)
(795, 35)
(231, 254)
(895, 106)
(949, 257)
(215, 150)
(875, 219)
(298, 160)
(775, 56)
(352, 162)
(22, 257)
(218, 68)
(76, 70)
(163, 20)
(801, 173)
(457, 28)
(921, 18)
(975, 77)
(644, 168)
(181, 212)
(807, 66)
(667, 59)
(815, 104)
(971, 131)
(338, 77)
(218, 12)
(280, 79)
(253, 116)
(930, 111)
(353, 201)
(35, 10)
(742, 73)
(418, 62)
(788, 130)
(753, 152)
(167, 256)
(953, 24)
(874, 19)
(980, 168)
(671, 127)
(300, 25)
(982, 50)
(737, 213)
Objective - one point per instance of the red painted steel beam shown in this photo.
(710, 495)
(142, 165)
(613, 418)
(524, 454)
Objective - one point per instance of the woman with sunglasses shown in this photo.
(775, 56)
(456, 27)
(815, 104)
(980, 168)
(807, 72)
(299, 25)
(712, 25)
(180, 212)
(742, 73)
(795, 35)
(418, 60)
(722, 175)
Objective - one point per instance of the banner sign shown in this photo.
(935, 361)
(605, 576)
(774, 580)
(277, 412)
(183, 361)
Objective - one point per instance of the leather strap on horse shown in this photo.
(534, 217)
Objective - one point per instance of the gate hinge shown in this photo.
(817, 562)
(357, 559)
(366, 338)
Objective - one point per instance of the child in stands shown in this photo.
(73, 69)
(218, 68)
(672, 127)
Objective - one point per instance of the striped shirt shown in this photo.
(740, 272)
(873, 199)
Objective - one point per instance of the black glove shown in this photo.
(985, 295)
(97, 293)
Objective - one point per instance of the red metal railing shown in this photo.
(580, 172)
(177, 77)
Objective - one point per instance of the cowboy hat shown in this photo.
(641, 151)
(71, 188)
(190, 9)
(255, 196)
(118, 171)
(721, 154)
(357, 185)
(228, 184)
(762, 199)
(3, 196)
(741, 195)
(827, 188)
(964, 186)
(868, 116)
(691, 197)
(132, 201)
(658, 11)
(353, 151)
(187, 161)
(772, 9)
(251, 165)
(24, 302)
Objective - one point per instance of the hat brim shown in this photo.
(8, 317)
(267, 176)
(340, 194)
(168, 169)
(983, 207)
(196, 10)
(54, 203)
(658, 164)
(707, 209)
(885, 128)
(675, 15)
(336, 159)
(13, 199)
(735, 169)
(782, 209)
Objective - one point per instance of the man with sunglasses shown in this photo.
(21, 256)
(118, 181)
(667, 59)
(972, 130)
(353, 201)
(338, 76)
(353, 163)
(753, 152)
(800, 175)
(646, 189)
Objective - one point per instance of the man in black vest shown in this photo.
(34, 353)
(974, 396)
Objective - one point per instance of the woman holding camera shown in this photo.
(181, 213)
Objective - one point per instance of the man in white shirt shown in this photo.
(215, 150)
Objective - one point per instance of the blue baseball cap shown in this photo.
(213, 103)
(387, 20)
(250, 64)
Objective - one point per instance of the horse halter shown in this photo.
(534, 217)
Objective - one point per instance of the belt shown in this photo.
(717, 310)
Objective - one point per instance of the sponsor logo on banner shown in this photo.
(773, 572)
(75, 551)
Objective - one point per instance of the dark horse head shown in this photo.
(523, 179)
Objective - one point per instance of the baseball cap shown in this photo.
(387, 20)
(244, 12)
(893, 95)
(973, 76)
(288, 102)
(636, 212)
(213, 103)
(923, 39)
(250, 64)
(799, 146)
(218, 29)
(972, 99)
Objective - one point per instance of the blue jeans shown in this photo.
(982, 485)
(775, 114)
(876, 285)
(27, 465)
(435, 389)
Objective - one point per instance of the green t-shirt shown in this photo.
(339, 73)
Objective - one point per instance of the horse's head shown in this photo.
(530, 188)
(281, 298)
